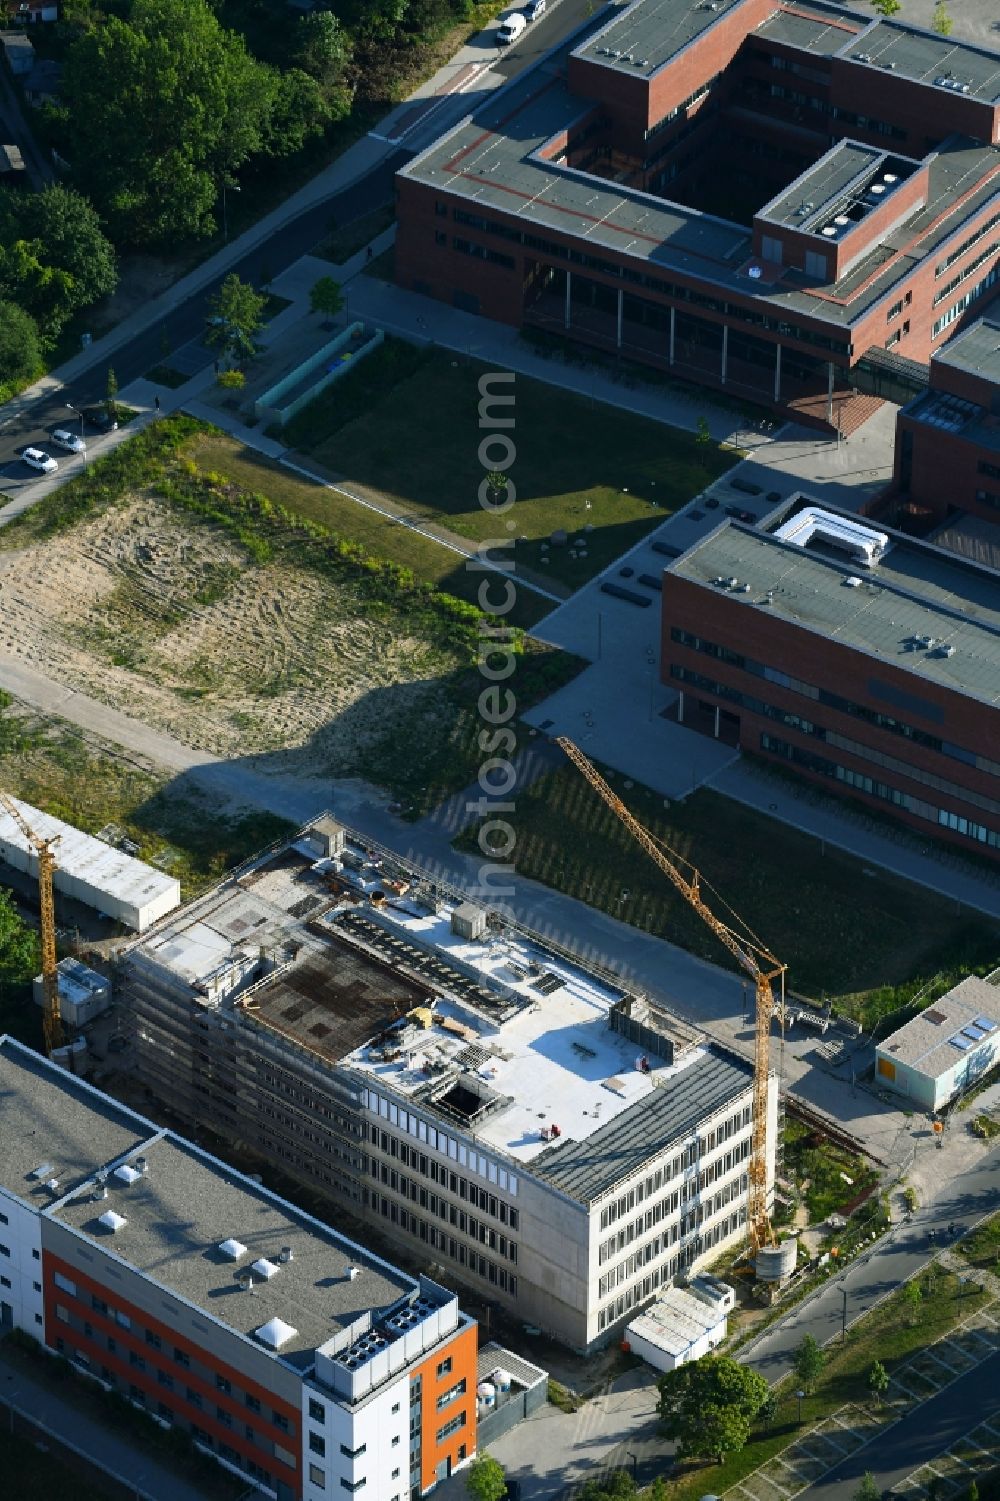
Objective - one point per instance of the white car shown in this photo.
(35, 458)
(534, 9)
(510, 29)
(72, 442)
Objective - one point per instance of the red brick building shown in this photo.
(851, 654)
(762, 196)
(948, 440)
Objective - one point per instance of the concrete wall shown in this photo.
(21, 1302)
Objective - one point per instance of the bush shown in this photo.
(231, 380)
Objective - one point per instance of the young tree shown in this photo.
(913, 1297)
(941, 21)
(20, 346)
(768, 1411)
(326, 297)
(868, 1489)
(617, 1487)
(707, 1406)
(972, 1494)
(485, 1479)
(887, 7)
(878, 1381)
(111, 392)
(808, 1362)
(237, 315)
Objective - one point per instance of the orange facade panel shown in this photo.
(448, 1431)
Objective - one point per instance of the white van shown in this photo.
(510, 28)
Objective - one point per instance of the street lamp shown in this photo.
(635, 1465)
(800, 1395)
(843, 1325)
(71, 408)
(234, 187)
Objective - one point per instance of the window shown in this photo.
(136, 1360)
(62, 1313)
(285, 1457)
(444, 1368)
(317, 1411)
(154, 1340)
(99, 1306)
(894, 311)
(457, 1422)
(63, 1282)
(5, 1282)
(352, 1453)
(347, 1486)
(395, 1440)
(165, 1379)
(195, 1398)
(182, 1358)
(122, 1319)
(4, 1220)
(395, 1407)
(317, 1445)
(280, 1421)
(36, 1287)
(224, 1417)
(394, 1475)
(223, 1384)
(458, 1390)
(317, 1477)
(252, 1402)
(36, 1255)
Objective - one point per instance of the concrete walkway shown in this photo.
(119, 1455)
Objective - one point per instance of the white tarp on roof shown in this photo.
(91, 871)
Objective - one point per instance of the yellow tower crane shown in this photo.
(754, 957)
(44, 849)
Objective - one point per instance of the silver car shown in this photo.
(36, 458)
(72, 442)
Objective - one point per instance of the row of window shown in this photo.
(965, 273)
(457, 1250)
(455, 1183)
(468, 1224)
(640, 1291)
(682, 1162)
(657, 1246)
(439, 1141)
(672, 1202)
(843, 705)
(669, 289)
(966, 244)
(857, 748)
(960, 306)
(977, 832)
(836, 112)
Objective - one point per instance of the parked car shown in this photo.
(532, 11)
(510, 29)
(98, 417)
(740, 515)
(37, 458)
(72, 442)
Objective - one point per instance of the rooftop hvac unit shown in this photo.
(829, 229)
(101, 1191)
(351, 1272)
(948, 651)
(52, 1185)
(286, 1254)
(852, 581)
(141, 1166)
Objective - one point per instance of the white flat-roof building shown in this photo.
(91, 871)
(945, 1049)
(83, 992)
(562, 1146)
(682, 1325)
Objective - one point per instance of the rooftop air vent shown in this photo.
(111, 1221)
(232, 1249)
(948, 651)
(852, 581)
(265, 1269)
(141, 1166)
(275, 1333)
(286, 1254)
(101, 1191)
(52, 1185)
(889, 178)
(350, 1272)
(41, 1173)
(245, 1279)
(829, 229)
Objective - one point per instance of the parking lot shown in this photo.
(853, 1426)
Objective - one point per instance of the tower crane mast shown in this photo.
(44, 850)
(753, 956)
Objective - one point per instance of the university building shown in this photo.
(525, 1125)
(792, 202)
(851, 654)
(291, 1354)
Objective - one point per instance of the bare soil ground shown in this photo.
(173, 624)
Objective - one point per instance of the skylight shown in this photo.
(275, 1333)
(233, 1249)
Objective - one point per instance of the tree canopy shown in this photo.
(20, 347)
(707, 1407)
(808, 1362)
(237, 315)
(19, 954)
(163, 105)
(485, 1479)
(54, 255)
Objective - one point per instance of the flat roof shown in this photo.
(588, 1168)
(928, 58)
(916, 591)
(823, 185)
(975, 349)
(495, 163)
(180, 1210)
(933, 1042)
(51, 1120)
(84, 858)
(648, 33)
(814, 27)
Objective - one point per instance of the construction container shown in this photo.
(469, 921)
(90, 871)
(327, 837)
(83, 993)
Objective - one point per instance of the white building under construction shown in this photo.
(522, 1124)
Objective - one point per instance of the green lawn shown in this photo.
(429, 560)
(982, 1248)
(822, 1164)
(345, 240)
(887, 1334)
(406, 426)
(840, 932)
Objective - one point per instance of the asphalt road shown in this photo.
(186, 322)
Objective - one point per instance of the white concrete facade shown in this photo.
(364, 1447)
(20, 1266)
